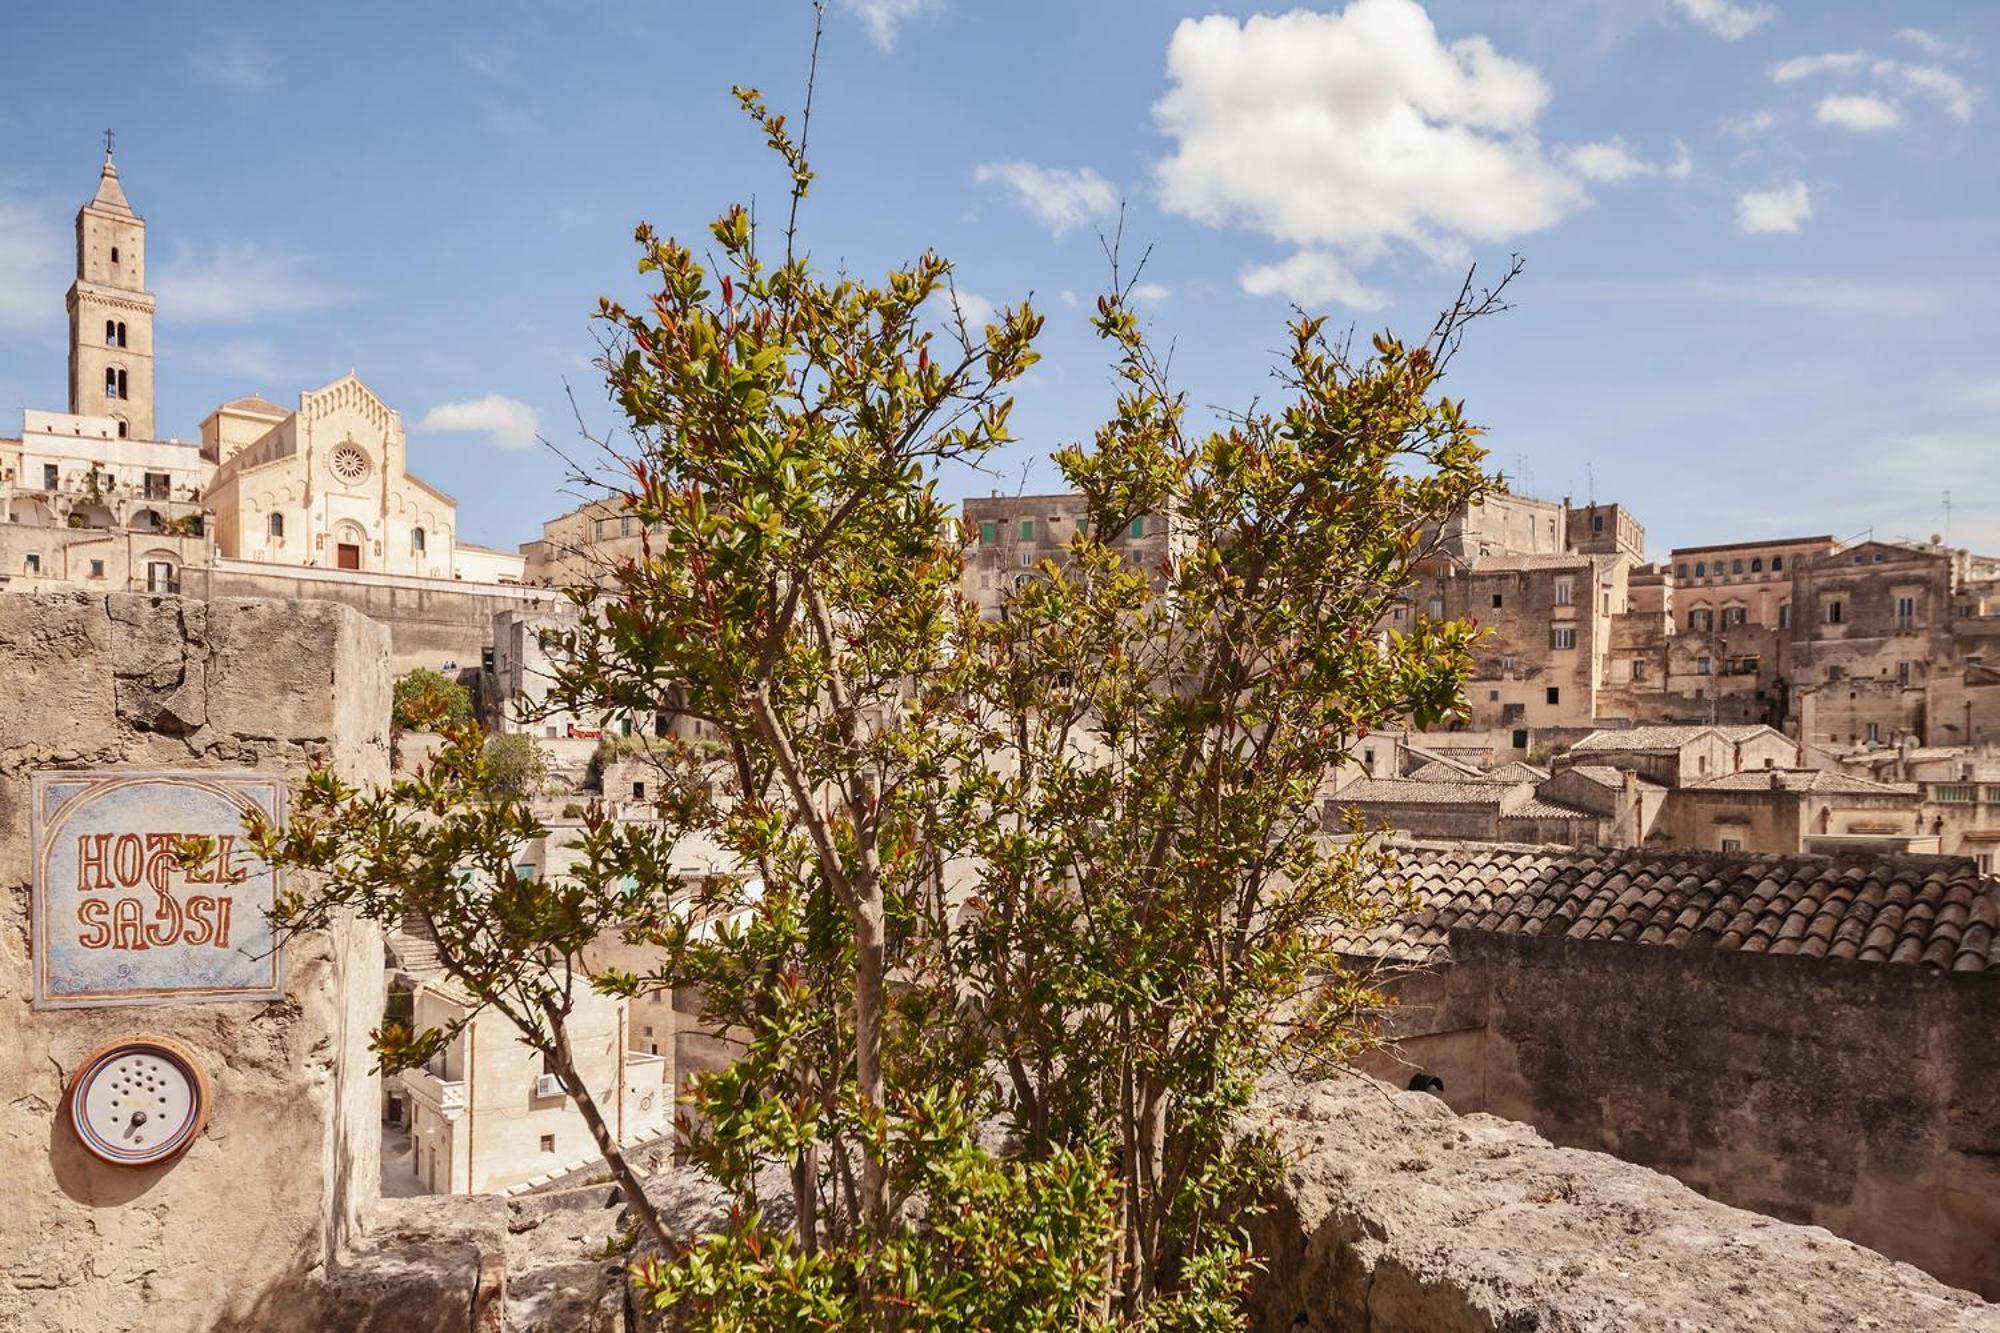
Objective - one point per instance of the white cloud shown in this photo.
(506, 422)
(1751, 125)
(882, 18)
(1780, 209)
(1683, 164)
(1608, 161)
(1149, 293)
(32, 251)
(237, 283)
(1060, 197)
(1933, 45)
(240, 64)
(977, 310)
(1932, 82)
(1828, 62)
(1313, 278)
(1350, 133)
(1725, 18)
(1863, 113)
(1976, 393)
(1954, 94)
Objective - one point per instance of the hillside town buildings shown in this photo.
(95, 498)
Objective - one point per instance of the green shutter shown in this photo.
(1027, 529)
(989, 532)
(1138, 527)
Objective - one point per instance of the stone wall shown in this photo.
(1861, 1097)
(288, 1162)
(1397, 1216)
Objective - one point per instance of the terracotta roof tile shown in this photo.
(1934, 912)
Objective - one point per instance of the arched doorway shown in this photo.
(30, 512)
(348, 543)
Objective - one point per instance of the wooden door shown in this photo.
(347, 555)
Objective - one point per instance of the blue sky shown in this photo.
(1760, 234)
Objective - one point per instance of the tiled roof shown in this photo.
(1604, 775)
(1512, 564)
(1929, 911)
(1438, 770)
(1815, 781)
(1662, 737)
(1408, 791)
(1537, 808)
(1516, 771)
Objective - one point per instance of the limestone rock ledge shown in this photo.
(1398, 1216)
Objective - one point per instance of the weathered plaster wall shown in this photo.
(287, 1164)
(1397, 1216)
(1861, 1097)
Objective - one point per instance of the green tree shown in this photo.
(1060, 873)
(425, 700)
(515, 767)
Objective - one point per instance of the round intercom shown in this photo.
(138, 1101)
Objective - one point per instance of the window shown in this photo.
(1880, 556)
(989, 532)
(1906, 612)
(159, 486)
(124, 428)
(1731, 616)
(49, 476)
(1736, 566)
(1597, 522)
(1565, 591)
(110, 382)
(1520, 739)
(1874, 731)
(1903, 673)
(160, 577)
(110, 333)
(1732, 844)
(1139, 527)
(1700, 569)
(638, 791)
(1555, 694)
(625, 526)
(1777, 564)
(1756, 564)
(1638, 668)
(1702, 666)
(97, 569)
(417, 540)
(277, 526)
(1784, 615)
(1027, 529)
(34, 564)
(1562, 638)
(548, 1143)
(1681, 570)
(1492, 696)
(1835, 612)
(1496, 601)
(1701, 618)
(1368, 760)
(114, 254)
(1027, 559)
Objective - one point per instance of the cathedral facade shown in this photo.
(93, 497)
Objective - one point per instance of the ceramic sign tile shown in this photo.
(117, 921)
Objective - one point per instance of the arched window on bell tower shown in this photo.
(110, 382)
(110, 333)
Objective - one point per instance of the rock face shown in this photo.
(1398, 1216)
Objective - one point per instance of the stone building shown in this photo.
(1794, 810)
(580, 546)
(1008, 536)
(93, 498)
(487, 1115)
(1656, 1005)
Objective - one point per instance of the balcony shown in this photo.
(443, 1095)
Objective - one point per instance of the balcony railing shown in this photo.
(445, 1095)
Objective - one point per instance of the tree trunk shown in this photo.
(607, 1143)
(869, 953)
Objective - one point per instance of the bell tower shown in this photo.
(111, 312)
